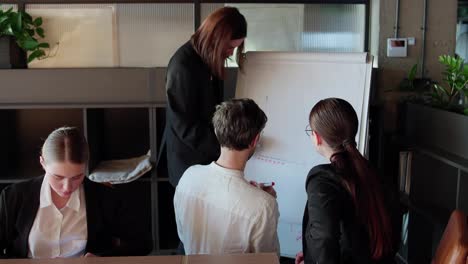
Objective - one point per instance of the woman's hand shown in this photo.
(299, 258)
(90, 255)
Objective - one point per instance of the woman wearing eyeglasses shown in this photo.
(345, 219)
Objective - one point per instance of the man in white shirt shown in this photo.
(217, 210)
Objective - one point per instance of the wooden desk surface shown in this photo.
(263, 258)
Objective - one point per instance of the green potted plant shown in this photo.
(413, 84)
(441, 121)
(451, 96)
(408, 83)
(414, 88)
(25, 32)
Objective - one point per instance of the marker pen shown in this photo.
(266, 184)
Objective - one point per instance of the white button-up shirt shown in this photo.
(59, 233)
(219, 212)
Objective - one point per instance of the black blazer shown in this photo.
(105, 214)
(331, 233)
(192, 95)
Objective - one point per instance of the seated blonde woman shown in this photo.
(63, 214)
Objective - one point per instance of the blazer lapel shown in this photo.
(92, 220)
(27, 214)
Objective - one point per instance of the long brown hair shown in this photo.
(65, 144)
(213, 36)
(336, 122)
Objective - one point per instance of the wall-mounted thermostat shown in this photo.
(397, 47)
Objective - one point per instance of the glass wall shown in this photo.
(113, 35)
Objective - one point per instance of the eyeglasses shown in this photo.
(308, 130)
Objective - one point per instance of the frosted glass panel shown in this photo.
(206, 9)
(150, 33)
(301, 27)
(461, 48)
(374, 30)
(85, 33)
(334, 28)
(271, 27)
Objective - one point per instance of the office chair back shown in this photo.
(453, 247)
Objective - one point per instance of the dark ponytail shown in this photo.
(336, 122)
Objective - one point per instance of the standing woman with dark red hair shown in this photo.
(194, 87)
(346, 219)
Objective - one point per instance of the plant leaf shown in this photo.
(38, 22)
(29, 44)
(3, 18)
(8, 31)
(27, 18)
(23, 28)
(412, 73)
(9, 11)
(30, 32)
(6, 13)
(19, 21)
(40, 32)
(439, 88)
(44, 45)
(5, 31)
(442, 59)
(36, 54)
(13, 22)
